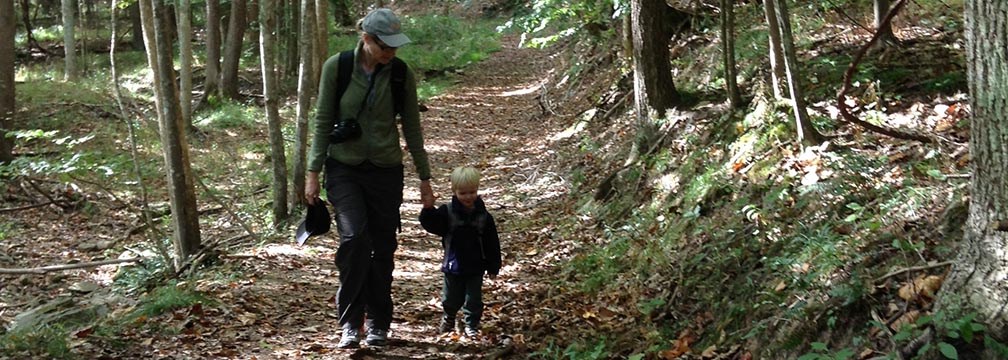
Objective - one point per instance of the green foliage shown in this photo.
(822, 352)
(230, 115)
(439, 43)
(142, 277)
(576, 351)
(167, 298)
(545, 22)
(48, 341)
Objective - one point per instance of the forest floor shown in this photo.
(276, 300)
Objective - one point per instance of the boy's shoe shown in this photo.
(377, 337)
(350, 339)
(447, 325)
(471, 332)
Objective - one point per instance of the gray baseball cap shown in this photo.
(384, 24)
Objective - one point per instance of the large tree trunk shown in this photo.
(137, 40)
(777, 75)
(181, 189)
(321, 38)
(807, 134)
(267, 53)
(654, 90)
(978, 281)
(69, 9)
(728, 50)
(232, 50)
(211, 81)
(306, 89)
(7, 30)
(183, 9)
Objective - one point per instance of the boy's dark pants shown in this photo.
(366, 199)
(465, 292)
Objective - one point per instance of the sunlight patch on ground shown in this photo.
(290, 249)
(527, 90)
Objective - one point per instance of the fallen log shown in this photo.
(51, 268)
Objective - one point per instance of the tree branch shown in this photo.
(842, 95)
(51, 268)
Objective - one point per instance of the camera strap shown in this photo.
(369, 94)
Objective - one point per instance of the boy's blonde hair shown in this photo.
(464, 176)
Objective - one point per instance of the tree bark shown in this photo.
(211, 80)
(807, 134)
(147, 25)
(777, 75)
(181, 184)
(728, 50)
(69, 8)
(321, 38)
(305, 92)
(654, 89)
(183, 9)
(267, 52)
(7, 97)
(232, 50)
(136, 23)
(978, 281)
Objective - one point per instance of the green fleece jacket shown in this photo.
(379, 142)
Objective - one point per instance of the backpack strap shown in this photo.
(343, 74)
(455, 222)
(398, 84)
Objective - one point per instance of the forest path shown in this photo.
(282, 306)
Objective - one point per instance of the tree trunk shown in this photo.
(807, 134)
(776, 50)
(321, 38)
(978, 281)
(654, 90)
(305, 92)
(886, 36)
(7, 30)
(69, 9)
(728, 50)
(136, 23)
(267, 53)
(183, 9)
(181, 184)
(291, 47)
(147, 26)
(232, 50)
(211, 81)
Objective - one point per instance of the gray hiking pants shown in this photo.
(366, 199)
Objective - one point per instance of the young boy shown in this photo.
(472, 248)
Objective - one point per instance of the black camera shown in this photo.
(345, 130)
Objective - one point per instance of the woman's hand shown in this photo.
(312, 187)
(427, 197)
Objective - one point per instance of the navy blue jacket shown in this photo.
(465, 256)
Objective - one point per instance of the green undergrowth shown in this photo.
(757, 240)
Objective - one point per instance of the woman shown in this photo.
(356, 139)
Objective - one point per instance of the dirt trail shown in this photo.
(283, 304)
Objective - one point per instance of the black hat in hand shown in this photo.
(316, 222)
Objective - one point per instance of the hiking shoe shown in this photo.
(350, 339)
(377, 337)
(447, 325)
(471, 332)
